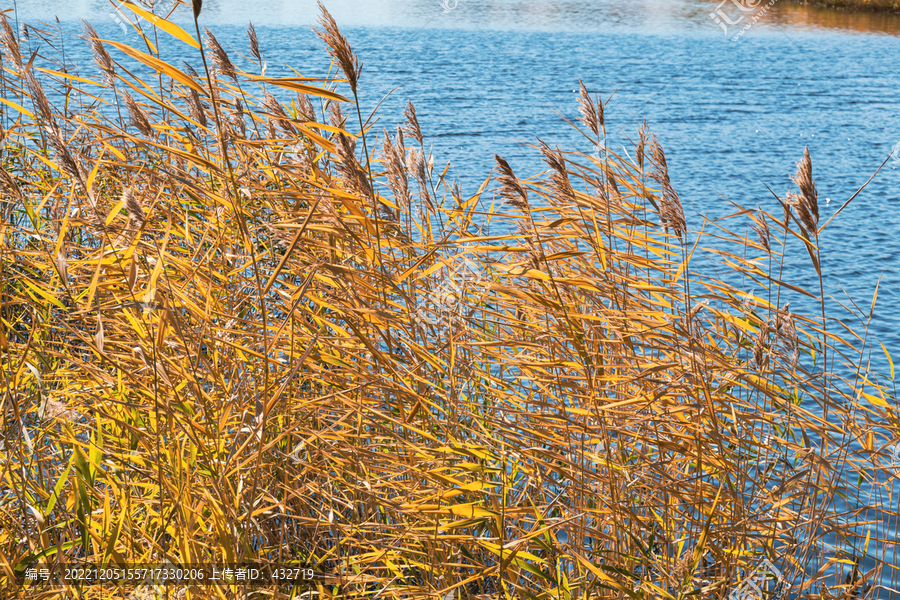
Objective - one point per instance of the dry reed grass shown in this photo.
(212, 350)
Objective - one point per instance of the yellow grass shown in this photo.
(236, 329)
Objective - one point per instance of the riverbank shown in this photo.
(889, 6)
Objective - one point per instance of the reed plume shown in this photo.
(68, 163)
(9, 185)
(305, 108)
(351, 171)
(670, 211)
(101, 56)
(761, 346)
(615, 195)
(591, 113)
(807, 201)
(416, 164)
(511, 189)
(254, 43)
(336, 115)
(138, 117)
(786, 329)
(237, 117)
(40, 98)
(338, 47)
(641, 146)
(562, 187)
(11, 42)
(133, 207)
(786, 206)
(763, 233)
(395, 168)
(189, 69)
(282, 119)
(220, 60)
(515, 194)
(412, 122)
(58, 410)
(195, 106)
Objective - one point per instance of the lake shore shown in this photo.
(889, 6)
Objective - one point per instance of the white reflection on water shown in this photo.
(676, 16)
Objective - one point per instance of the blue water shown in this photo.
(733, 116)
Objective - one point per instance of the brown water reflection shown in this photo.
(787, 14)
(797, 15)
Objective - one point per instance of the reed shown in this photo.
(220, 345)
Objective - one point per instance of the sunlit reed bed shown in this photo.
(239, 323)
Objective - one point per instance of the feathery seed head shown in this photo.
(282, 119)
(671, 212)
(10, 41)
(237, 116)
(396, 171)
(642, 144)
(763, 233)
(138, 117)
(787, 335)
(133, 207)
(787, 211)
(806, 202)
(198, 113)
(39, 97)
(68, 163)
(220, 59)
(416, 164)
(559, 178)
(412, 122)
(101, 56)
(338, 47)
(510, 188)
(351, 171)
(58, 410)
(305, 106)
(336, 115)
(189, 69)
(615, 195)
(254, 43)
(400, 140)
(760, 345)
(591, 113)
